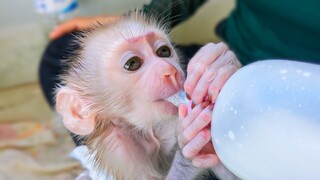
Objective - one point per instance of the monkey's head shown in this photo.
(121, 74)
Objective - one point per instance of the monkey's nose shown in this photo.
(170, 75)
(165, 70)
(169, 71)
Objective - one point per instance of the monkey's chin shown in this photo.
(167, 107)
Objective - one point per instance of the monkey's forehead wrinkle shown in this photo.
(134, 39)
(135, 23)
(123, 29)
(105, 41)
(133, 31)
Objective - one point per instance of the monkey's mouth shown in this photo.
(167, 107)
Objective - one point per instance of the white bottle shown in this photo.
(54, 12)
(266, 121)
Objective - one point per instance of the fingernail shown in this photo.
(210, 98)
(192, 105)
(188, 97)
(205, 104)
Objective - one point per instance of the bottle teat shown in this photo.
(178, 98)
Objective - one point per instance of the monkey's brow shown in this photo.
(135, 39)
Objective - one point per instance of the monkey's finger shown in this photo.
(201, 89)
(191, 149)
(206, 55)
(183, 111)
(185, 121)
(192, 115)
(198, 64)
(198, 124)
(206, 160)
(221, 78)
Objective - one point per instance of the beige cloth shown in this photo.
(35, 150)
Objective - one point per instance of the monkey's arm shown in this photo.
(194, 135)
(182, 168)
(196, 156)
(174, 11)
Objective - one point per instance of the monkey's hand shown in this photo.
(208, 70)
(79, 23)
(194, 135)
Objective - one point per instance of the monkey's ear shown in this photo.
(75, 116)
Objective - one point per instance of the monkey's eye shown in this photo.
(133, 64)
(164, 51)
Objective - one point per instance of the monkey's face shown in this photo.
(123, 71)
(146, 66)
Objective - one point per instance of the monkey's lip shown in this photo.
(165, 97)
(165, 101)
(167, 106)
(162, 101)
(166, 94)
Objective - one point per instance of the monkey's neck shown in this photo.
(130, 153)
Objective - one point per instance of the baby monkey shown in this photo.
(112, 95)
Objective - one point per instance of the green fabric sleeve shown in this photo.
(172, 11)
(264, 29)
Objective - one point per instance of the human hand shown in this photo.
(194, 136)
(79, 23)
(208, 70)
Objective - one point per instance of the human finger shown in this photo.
(64, 28)
(80, 23)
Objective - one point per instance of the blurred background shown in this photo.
(33, 143)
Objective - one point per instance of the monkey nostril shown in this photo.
(171, 78)
(172, 73)
(170, 70)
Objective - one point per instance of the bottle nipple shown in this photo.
(178, 98)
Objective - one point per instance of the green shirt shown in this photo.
(260, 29)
